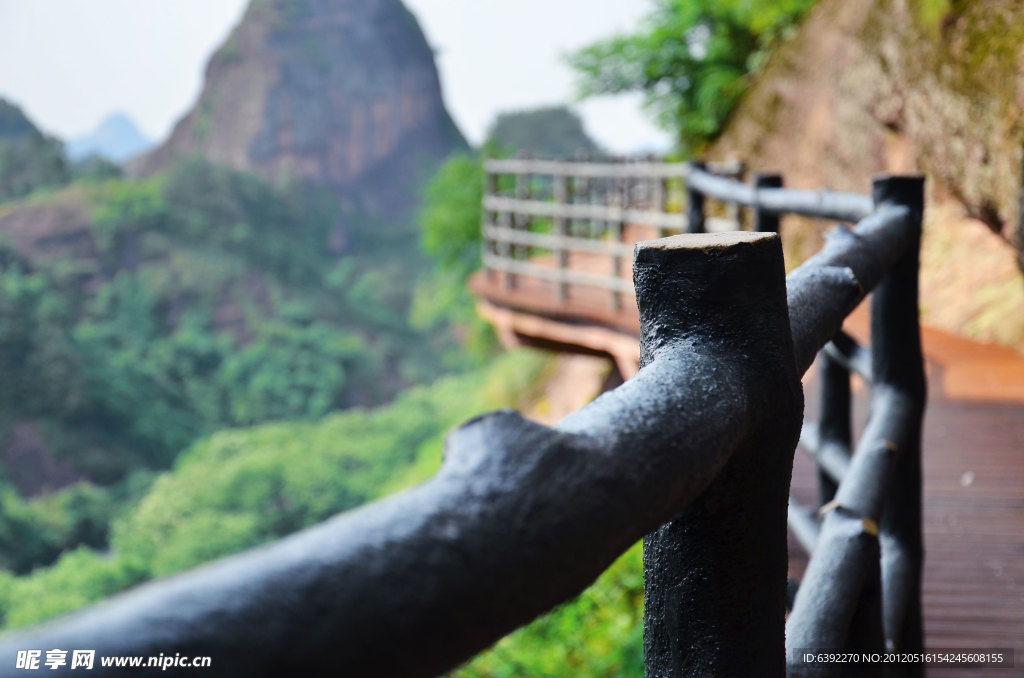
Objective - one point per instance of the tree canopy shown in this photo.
(692, 59)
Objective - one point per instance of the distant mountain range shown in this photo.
(116, 138)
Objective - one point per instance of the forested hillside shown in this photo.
(140, 314)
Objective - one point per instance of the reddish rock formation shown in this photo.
(339, 92)
(868, 86)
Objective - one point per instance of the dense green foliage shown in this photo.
(599, 633)
(211, 302)
(550, 132)
(141, 362)
(692, 59)
(449, 224)
(37, 532)
(239, 488)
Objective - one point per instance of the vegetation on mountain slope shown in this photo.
(238, 488)
(203, 298)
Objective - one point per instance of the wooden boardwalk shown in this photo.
(973, 466)
(973, 463)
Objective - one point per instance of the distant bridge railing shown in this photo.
(694, 454)
(574, 224)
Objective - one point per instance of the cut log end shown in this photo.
(705, 241)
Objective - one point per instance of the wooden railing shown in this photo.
(694, 454)
(575, 223)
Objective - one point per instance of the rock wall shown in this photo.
(869, 86)
(891, 85)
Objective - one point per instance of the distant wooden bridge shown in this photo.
(558, 240)
(558, 248)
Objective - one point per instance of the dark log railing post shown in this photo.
(694, 206)
(715, 575)
(834, 419)
(899, 382)
(876, 513)
(766, 221)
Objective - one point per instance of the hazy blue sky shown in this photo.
(69, 63)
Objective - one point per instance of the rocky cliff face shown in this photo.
(891, 84)
(338, 92)
(872, 86)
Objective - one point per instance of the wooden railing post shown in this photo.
(694, 206)
(833, 420)
(715, 575)
(766, 221)
(899, 382)
(580, 193)
(876, 513)
(521, 221)
(615, 229)
(490, 190)
(503, 247)
(561, 195)
(734, 212)
(659, 195)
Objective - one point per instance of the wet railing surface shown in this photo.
(694, 455)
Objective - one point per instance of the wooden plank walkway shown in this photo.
(973, 464)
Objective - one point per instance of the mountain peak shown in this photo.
(343, 93)
(115, 138)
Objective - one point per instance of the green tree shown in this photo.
(288, 372)
(449, 224)
(692, 59)
(242, 487)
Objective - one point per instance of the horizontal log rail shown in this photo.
(565, 276)
(823, 205)
(652, 169)
(551, 242)
(608, 213)
(694, 454)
